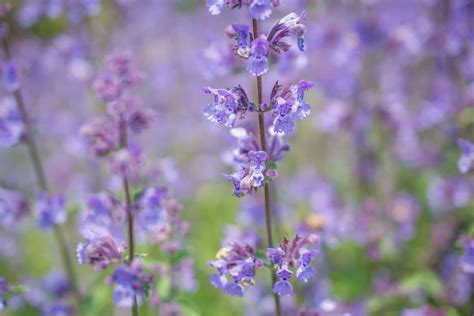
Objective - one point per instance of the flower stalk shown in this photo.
(263, 144)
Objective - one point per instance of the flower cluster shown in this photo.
(101, 229)
(130, 283)
(236, 265)
(13, 208)
(467, 259)
(229, 105)
(293, 254)
(257, 50)
(260, 9)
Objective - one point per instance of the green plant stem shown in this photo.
(123, 143)
(263, 143)
(43, 183)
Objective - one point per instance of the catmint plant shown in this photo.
(17, 127)
(149, 214)
(256, 159)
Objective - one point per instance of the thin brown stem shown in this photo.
(43, 183)
(123, 143)
(263, 143)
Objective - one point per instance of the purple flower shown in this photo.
(215, 6)
(130, 282)
(251, 175)
(229, 105)
(13, 208)
(50, 210)
(238, 264)
(3, 292)
(467, 258)
(10, 78)
(288, 104)
(100, 252)
(293, 253)
(261, 9)
(465, 163)
(241, 33)
(11, 124)
(152, 213)
(282, 287)
(101, 135)
(257, 64)
(57, 309)
(290, 25)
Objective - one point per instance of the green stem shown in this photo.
(123, 143)
(43, 184)
(263, 143)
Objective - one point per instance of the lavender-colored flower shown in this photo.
(465, 163)
(50, 210)
(152, 215)
(3, 292)
(10, 79)
(229, 105)
(288, 104)
(101, 135)
(261, 9)
(250, 176)
(289, 254)
(11, 124)
(215, 6)
(257, 64)
(241, 34)
(56, 284)
(57, 309)
(102, 231)
(467, 259)
(290, 25)
(184, 276)
(13, 208)
(130, 281)
(236, 267)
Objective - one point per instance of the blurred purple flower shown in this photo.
(10, 77)
(11, 125)
(465, 163)
(50, 210)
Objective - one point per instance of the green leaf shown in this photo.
(425, 280)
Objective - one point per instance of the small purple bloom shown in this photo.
(10, 79)
(465, 163)
(234, 288)
(11, 124)
(215, 6)
(50, 210)
(241, 33)
(152, 212)
(261, 9)
(257, 64)
(467, 258)
(229, 105)
(3, 292)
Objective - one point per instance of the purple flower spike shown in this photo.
(50, 210)
(466, 161)
(10, 79)
(257, 64)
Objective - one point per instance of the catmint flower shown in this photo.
(57, 309)
(184, 276)
(257, 64)
(11, 125)
(229, 105)
(130, 282)
(290, 25)
(152, 214)
(288, 104)
(56, 284)
(241, 33)
(236, 267)
(467, 258)
(3, 293)
(250, 176)
(102, 231)
(293, 254)
(260, 9)
(10, 78)
(13, 208)
(50, 210)
(126, 161)
(466, 161)
(101, 135)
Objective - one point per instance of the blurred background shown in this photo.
(373, 171)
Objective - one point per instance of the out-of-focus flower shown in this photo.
(467, 258)
(130, 282)
(11, 125)
(465, 163)
(13, 208)
(260, 9)
(10, 77)
(50, 210)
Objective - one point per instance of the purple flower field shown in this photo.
(237, 157)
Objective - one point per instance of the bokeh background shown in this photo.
(373, 171)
